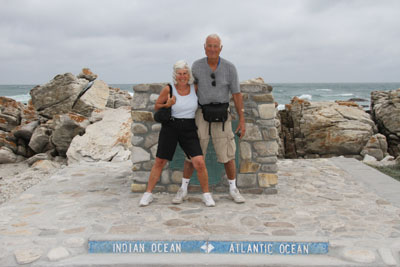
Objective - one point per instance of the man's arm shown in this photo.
(238, 100)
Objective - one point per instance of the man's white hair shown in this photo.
(180, 65)
(214, 36)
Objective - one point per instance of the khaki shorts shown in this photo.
(223, 140)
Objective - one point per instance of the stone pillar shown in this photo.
(257, 170)
(259, 147)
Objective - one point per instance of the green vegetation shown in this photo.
(393, 171)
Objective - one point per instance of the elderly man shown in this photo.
(216, 79)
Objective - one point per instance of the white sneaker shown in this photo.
(146, 199)
(208, 200)
(180, 196)
(236, 196)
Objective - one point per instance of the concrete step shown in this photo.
(127, 250)
(124, 260)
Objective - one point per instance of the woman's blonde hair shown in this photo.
(179, 65)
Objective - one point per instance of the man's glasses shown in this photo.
(213, 83)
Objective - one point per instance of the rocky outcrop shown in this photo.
(58, 111)
(385, 110)
(314, 129)
(60, 94)
(106, 140)
(17, 124)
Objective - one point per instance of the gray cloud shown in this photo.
(138, 41)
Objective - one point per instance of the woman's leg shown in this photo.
(155, 173)
(200, 165)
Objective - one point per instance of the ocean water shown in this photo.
(282, 92)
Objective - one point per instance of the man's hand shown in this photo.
(238, 100)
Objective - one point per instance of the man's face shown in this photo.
(213, 48)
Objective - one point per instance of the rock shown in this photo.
(8, 140)
(385, 111)
(356, 99)
(67, 126)
(57, 254)
(376, 147)
(28, 113)
(28, 255)
(37, 157)
(139, 155)
(369, 159)
(106, 140)
(254, 80)
(74, 242)
(58, 95)
(94, 98)
(87, 74)
(118, 98)
(325, 128)
(45, 165)
(7, 155)
(25, 131)
(40, 139)
(10, 113)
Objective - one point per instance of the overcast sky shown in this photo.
(132, 41)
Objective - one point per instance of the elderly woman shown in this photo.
(180, 129)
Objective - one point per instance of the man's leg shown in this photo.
(230, 169)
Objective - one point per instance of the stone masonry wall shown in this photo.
(258, 149)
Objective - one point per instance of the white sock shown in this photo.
(185, 183)
(232, 184)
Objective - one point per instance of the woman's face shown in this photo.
(182, 76)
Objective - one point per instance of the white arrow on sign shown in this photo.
(207, 247)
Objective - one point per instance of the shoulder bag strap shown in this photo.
(170, 90)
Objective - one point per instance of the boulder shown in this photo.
(7, 155)
(40, 139)
(118, 98)
(67, 126)
(10, 113)
(58, 95)
(25, 131)
(105, 140)
(326, 128)
(37, 157)
(376, 147)
(94, 98)
(87, 74)
(46, 165)
(8, 140)
(385, 110)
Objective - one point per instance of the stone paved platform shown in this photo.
(340, 201)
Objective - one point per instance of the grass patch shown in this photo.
(392, 171)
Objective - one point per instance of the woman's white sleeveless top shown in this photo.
(185, 106)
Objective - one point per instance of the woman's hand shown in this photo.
(164, 100)
(170, 101)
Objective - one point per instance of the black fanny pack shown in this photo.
(215, 112)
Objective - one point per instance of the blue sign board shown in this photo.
(210, 247)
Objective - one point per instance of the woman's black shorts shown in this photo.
(182, 131)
